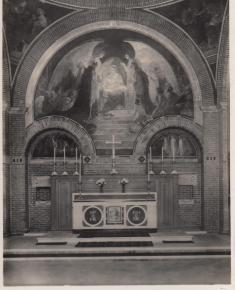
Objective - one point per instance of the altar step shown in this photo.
(115, 241)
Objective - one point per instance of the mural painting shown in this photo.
(173, 144)
(111, 81)
(58, 140)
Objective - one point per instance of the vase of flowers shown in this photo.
(101, 182)
(123, 183)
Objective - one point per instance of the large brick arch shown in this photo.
(162, 123)
(74, 4)
(76, 24)
(62, 123)
(222, 73)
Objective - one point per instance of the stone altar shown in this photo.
(114, 211)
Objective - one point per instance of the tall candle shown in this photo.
(64, 154)
(162, 155)
(113, 150)
(173, 153)
(148, 167)
(54, 157)
(80, 168)
(150, 153)
(76, 150)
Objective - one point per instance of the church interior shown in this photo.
(116, 115)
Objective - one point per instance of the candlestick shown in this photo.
(148, 167)
(113, 148)
(162, 171)
(54, 172)
(80, 168)
(76, 162)
(150, 154)
(64, 173)
(150, 162)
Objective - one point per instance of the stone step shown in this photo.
(74, 240)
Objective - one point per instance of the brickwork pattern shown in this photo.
(211, 171)
(6, 102)
(222, 73)
(223, 96)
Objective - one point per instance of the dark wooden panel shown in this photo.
(166, 188)
(62, 189)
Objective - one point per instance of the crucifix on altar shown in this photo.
(113, 142)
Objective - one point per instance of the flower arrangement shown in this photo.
(101, 182)
(123, 182)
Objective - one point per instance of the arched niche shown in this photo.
(142, 141)
(77, 24)
(77, 132)
(52, 142)
(174, 144)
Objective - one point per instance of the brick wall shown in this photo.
(211, 170)
(187, 215)
(38, 215)
(6, 101)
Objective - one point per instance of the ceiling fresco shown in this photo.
(28, 18)
(201, 19)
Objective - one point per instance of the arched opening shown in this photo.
(175, 159)
(51, 156)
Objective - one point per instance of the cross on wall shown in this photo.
(113, 142)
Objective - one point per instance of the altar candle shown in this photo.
(173, 153)
(162, 155)
(113, 150)
(76, 150)
(64, 154)
(150, 153)
(148, 167)
(80, 168)
(54, 156)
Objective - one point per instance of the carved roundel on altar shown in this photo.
(136, 215)
(109, 79)
(93, 216)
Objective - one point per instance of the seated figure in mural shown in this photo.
(114, 87)
(117, 81)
